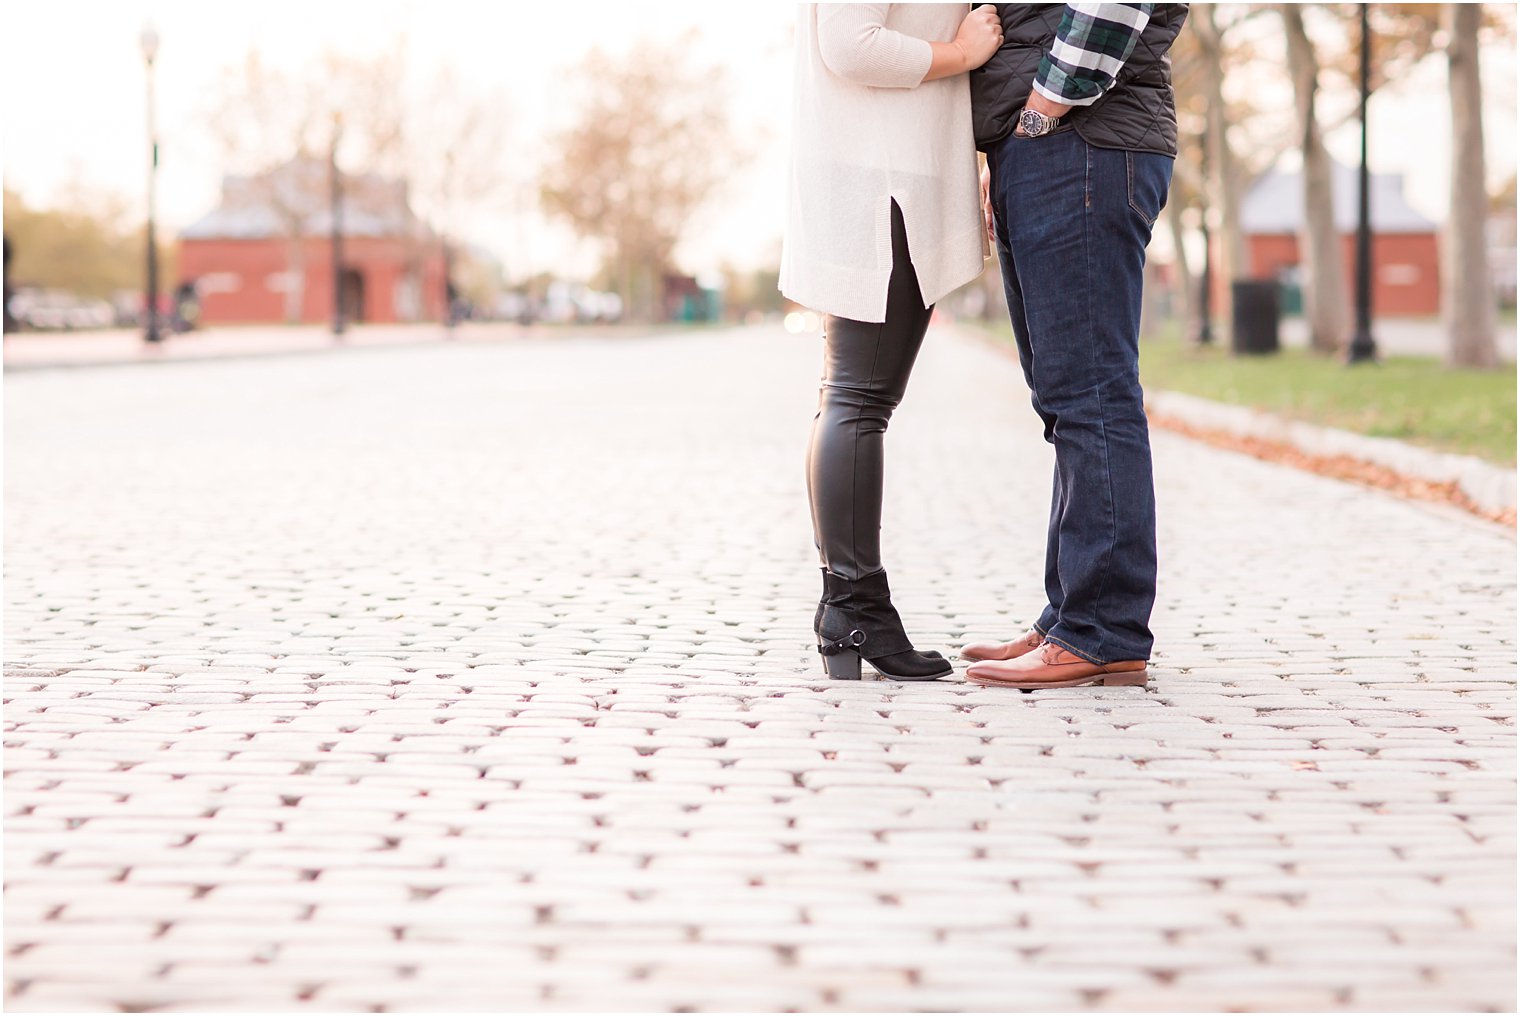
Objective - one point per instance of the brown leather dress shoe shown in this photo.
(1025, 643)
(1054, 667)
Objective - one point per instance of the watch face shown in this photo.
(1032, 122)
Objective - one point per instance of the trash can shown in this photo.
(1254, 328)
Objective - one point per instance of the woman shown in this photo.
(884, 220)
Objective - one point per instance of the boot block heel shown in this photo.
(842, 666)
(841, 657)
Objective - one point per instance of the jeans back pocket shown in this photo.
(1150, 177)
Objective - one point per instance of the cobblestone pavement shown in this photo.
(29, 350)
(52, 350)
(479, 677)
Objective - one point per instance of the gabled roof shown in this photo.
(1275, 203)
(259, 206)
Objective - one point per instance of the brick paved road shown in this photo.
(479, 677)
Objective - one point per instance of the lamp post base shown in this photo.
(1363, 348)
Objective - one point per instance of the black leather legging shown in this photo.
(866, 368)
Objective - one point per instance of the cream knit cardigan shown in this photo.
(868, 129)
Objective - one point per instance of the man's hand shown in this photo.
(1040, 104)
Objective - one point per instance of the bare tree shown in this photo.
(1186, 281)
(650, 147)
(370, 94)
(1467, 297)
(271, 124)
(262, 118)
(444, 143)
(1185, 197)
(1326, 306)
(1224, 184)
(454, 158)
(1407, 34)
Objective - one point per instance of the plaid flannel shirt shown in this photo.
(1091, 46)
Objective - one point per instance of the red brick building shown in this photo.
(1406, 279)
(264, 254)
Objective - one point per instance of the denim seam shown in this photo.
(1086, 196)
(1113, 528)
(1108, 472)
(1053, 551)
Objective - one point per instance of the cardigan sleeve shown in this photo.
(856, 44)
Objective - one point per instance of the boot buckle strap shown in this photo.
(854, 640)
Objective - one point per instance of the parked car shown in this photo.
(58, 310)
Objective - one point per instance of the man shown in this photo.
(1076, 115)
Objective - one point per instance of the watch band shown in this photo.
(1050, 123)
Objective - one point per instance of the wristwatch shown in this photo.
(1035, 124)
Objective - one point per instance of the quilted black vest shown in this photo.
(1138, 114)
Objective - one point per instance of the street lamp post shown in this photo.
(337, 229)
(1205, 290)
(448, 284)
(1363, 347)
(1206, 279)
(150, 315)
(447, 217)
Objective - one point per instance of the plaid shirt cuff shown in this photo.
(1091, 45)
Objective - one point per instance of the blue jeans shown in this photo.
(1072, 225)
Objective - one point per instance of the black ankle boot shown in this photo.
(857, 620)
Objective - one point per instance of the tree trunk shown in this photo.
(1150, 296)
(1326, 307)
(651, 278)
(1186, 289)
(1467, 297)
(625, 286)
(1224, 172)
(295, 276)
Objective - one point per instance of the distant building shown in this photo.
(1405, 258)
(238, 256)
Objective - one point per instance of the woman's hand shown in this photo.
(980, 35)
(987, 205)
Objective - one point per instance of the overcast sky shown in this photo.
(73, 87)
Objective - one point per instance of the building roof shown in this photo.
(260, 206)
(1275, 203)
